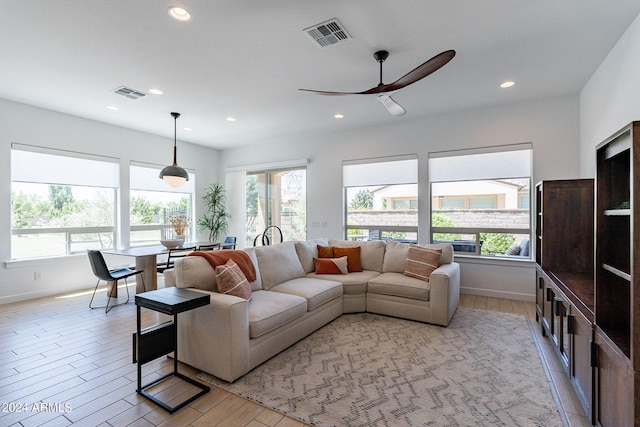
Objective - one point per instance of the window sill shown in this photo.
(30, 262)
(494, 260)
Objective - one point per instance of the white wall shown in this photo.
(35, 126)
(552, 125)
(611, 98)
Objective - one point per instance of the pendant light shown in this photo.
(174, 175)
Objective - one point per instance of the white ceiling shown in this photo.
(248, 59)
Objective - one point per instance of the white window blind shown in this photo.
(381, 171)
(515, 162)
(64, 168)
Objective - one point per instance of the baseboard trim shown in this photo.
(518, 296)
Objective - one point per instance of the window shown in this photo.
(61, 202)
(381, 198)
(153, 204)
(480, 199)
(276, 198)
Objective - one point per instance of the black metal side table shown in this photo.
(162, 339)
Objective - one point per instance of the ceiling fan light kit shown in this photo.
(173, 175)
(383, 91)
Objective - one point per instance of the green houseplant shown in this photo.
(216, 217)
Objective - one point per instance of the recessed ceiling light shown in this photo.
(112, 108)
(188, 129)
(179, 13)
(155, 91)
(338, 116)
(231, 119)
(507, 84)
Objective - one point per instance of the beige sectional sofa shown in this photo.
(289, 300)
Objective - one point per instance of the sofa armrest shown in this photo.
(215, 338)
(169, 278)
(444, 292)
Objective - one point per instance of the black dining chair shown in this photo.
(174, 254)
(208, 247)
(229, 243)
(102, 272)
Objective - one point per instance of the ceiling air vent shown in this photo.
(327, 33)
(129, 93)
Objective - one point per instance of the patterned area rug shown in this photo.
(370, 370)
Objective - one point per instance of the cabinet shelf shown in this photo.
(617, 311)
(617, 212)
(617, 272)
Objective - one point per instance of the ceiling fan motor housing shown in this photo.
(381, 55)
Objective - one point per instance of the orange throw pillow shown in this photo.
(331, 265)
(353, 257)
(421, 262)
(325, 251)
(232, 281)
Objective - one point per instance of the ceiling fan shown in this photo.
(382, 91)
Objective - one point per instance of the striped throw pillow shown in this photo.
(421, 262)
(232, 281)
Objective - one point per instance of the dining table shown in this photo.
(146, 259)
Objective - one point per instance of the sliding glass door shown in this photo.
(276, 198)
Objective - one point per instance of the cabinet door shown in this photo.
(581, 370)
(547, 310)
(539, 295)
(615, 382)
(560, 334)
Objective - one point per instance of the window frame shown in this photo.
(477, 231)
(20, 176)
(403, 176)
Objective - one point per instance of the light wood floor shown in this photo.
(64, 364)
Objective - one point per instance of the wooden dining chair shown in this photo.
(102, 272)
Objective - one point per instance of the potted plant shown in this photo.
(216, 217)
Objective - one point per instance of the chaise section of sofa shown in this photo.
(392, 293)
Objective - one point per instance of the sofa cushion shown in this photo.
(371, 252)
(331, 265)
(258, 282)
(195, 272)
(308, 250)
(232, 281)
(278, 263)
(395, 256)
(421, 262)
(352, 283)
(270, 310)
(397, 284)
(315, 291)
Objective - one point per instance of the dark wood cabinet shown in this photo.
(615, 380)
(564, 277)
(617, 282)
(571, 333)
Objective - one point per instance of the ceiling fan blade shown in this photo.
(422, 71)
(392, 106)
(373, 90)
(324, 92)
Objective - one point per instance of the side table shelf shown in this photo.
(160, 340)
